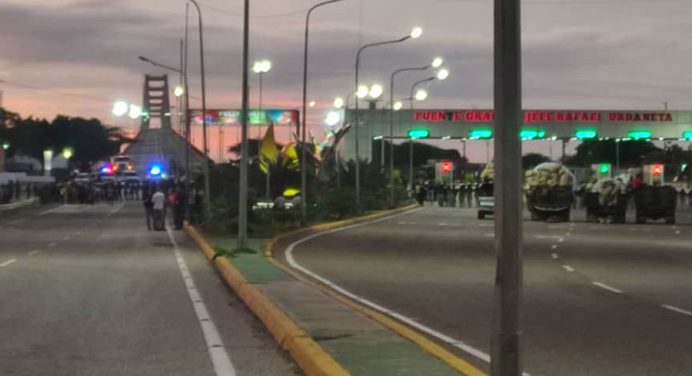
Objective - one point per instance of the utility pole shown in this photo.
(505, 343)
(187, 105)
(242, 197)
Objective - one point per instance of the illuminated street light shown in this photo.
(333, 118)
(339, 102)
(442, 74)
(135, 111)
(67, 153)
(262, 66)
(119, 108)
(376, 91)
(421, 95)
(397, 106)
(362, 91)
(312, 104)
(437, 62)
(416, 32)
(178, 91)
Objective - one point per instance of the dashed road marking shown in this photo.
(676, 309)
(546, 236)
(66, 237)
(606, 287)
(554, 246)
(554, 256)
(560, 240)
(568, 268)
(7, 263)
(35, 251)
(677, 232)
(217, 352)
(53, 244)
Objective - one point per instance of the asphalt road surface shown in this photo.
(599, 300)
(87, 290)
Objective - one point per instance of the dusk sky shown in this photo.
(78, 57)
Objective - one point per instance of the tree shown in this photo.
(90, 140)
(532, 160)
(632, 153)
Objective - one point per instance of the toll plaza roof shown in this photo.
(475, 124)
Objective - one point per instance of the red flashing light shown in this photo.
(657, 170)
(446, 167)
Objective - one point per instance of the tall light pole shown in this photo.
(415, 33)
(505, 342)
(303, 152)
(207, 190)
(260, 68)
(436, 63)
(186, 94)
(242, 195)
(421, 95)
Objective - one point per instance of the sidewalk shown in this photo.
(359, 344)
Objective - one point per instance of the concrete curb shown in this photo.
(403, 330)
(19, 204)
(309, 356)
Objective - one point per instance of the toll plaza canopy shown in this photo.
(475, 124)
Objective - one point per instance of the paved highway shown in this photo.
(600, 300)
(87, 290)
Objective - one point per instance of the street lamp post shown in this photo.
(415, 33)
(436, 63)
(303, 152)
(260, 68)
(242, 195)
(207, 189)
(420, 95)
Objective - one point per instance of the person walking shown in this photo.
(158, 200)
(148, 210)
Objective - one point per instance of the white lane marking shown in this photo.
(676, 309)
(568, 268)
(606, 287)
(485, 225)
(546, 236)
(217, 351)
(66, 237)
(53, 244)
(677, 232)
(441, 336)
(35, 251)
(554, 246)
(560, 240)
(442, 224)
(568, 234)
(408, 223)
(554, 256)
(8, 262)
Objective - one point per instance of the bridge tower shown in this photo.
(156, 102)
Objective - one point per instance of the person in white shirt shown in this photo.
(159, 201)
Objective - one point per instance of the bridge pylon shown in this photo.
(156, 102)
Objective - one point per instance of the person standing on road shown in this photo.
(148, 210)
(158, 200)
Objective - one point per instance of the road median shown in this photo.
(324, 332)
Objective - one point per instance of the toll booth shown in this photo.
(444, 172)
(602, 170)
(654, 174)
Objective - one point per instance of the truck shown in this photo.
(606, 200)
(655, 202)
(549, 192)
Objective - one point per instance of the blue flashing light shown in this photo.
(155, 170)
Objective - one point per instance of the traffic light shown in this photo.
(446, 167)
(657, 170)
